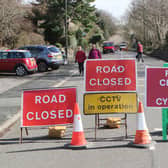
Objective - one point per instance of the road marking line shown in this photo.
(7, 124)
(157, 129)
(66, 79)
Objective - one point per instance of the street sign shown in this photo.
(156, 87)
(48, 107)
(110, 75)
(104, 103)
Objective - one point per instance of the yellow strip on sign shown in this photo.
(104, 103)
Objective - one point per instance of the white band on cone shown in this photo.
(77, 124)
(141, 123)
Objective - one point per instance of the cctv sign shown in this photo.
(156, 87)
(48, 107)
(110, 75)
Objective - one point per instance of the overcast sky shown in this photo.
(116, 7)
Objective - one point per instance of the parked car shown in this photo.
(123, 47)
(108, 46)
(19, 61)
(46, 56)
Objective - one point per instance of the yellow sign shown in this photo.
(104, 103)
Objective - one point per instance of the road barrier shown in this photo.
(78, 137)
(47, 107)
(142, 137)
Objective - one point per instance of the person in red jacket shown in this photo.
(80, 58)
(139, 52)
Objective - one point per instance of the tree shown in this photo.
(147, 19)
(52, 17)
(10, 15)
(107, 23)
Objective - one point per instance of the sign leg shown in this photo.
(95, 126)
(26, 131)
(21, 133)
(126, 130)
(98, 120)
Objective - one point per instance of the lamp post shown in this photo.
(66, 31)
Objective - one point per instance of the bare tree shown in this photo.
(148, 20)
(9, 18)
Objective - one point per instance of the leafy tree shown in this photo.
(50, 16)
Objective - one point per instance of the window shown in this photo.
(3, 55)
(35, 51)
(54, 49)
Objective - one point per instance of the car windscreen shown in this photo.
(108, 44)
(54, 49)
(122, 45)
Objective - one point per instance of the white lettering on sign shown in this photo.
(164, 82)
(50, 99)
(161, 101)
(166, 73)
(108, 69)
(112, 81)
(53, 114)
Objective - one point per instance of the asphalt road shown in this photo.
(110, 148)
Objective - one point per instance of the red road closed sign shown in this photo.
(156, 87)
(110, 75)
(48, 107)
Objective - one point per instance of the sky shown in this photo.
(116, 7)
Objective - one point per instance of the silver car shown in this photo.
(46, 56)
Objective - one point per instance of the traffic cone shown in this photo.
(78, 138)
(142, 137)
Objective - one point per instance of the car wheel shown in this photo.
(42, 67)
(20, 70)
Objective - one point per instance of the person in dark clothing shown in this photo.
(139, 52)
(80, 58)
(94, 53)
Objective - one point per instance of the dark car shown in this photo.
(18, 61)
(108, 46)
(46, 56)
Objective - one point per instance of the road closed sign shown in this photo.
(110, 75)
(156, 87)
(48, 107)
(106, 103)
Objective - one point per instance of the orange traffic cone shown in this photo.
(142, 137)
(78, 139)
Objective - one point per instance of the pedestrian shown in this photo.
(80, 58)
(139, 52)
(94, 53)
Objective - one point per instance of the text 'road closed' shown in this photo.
(110, 75)
(48, 107)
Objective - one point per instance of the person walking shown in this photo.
(139, 52)
(94, 53)
(80, 58)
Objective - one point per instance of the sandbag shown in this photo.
(56, 132)
(113, 122)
